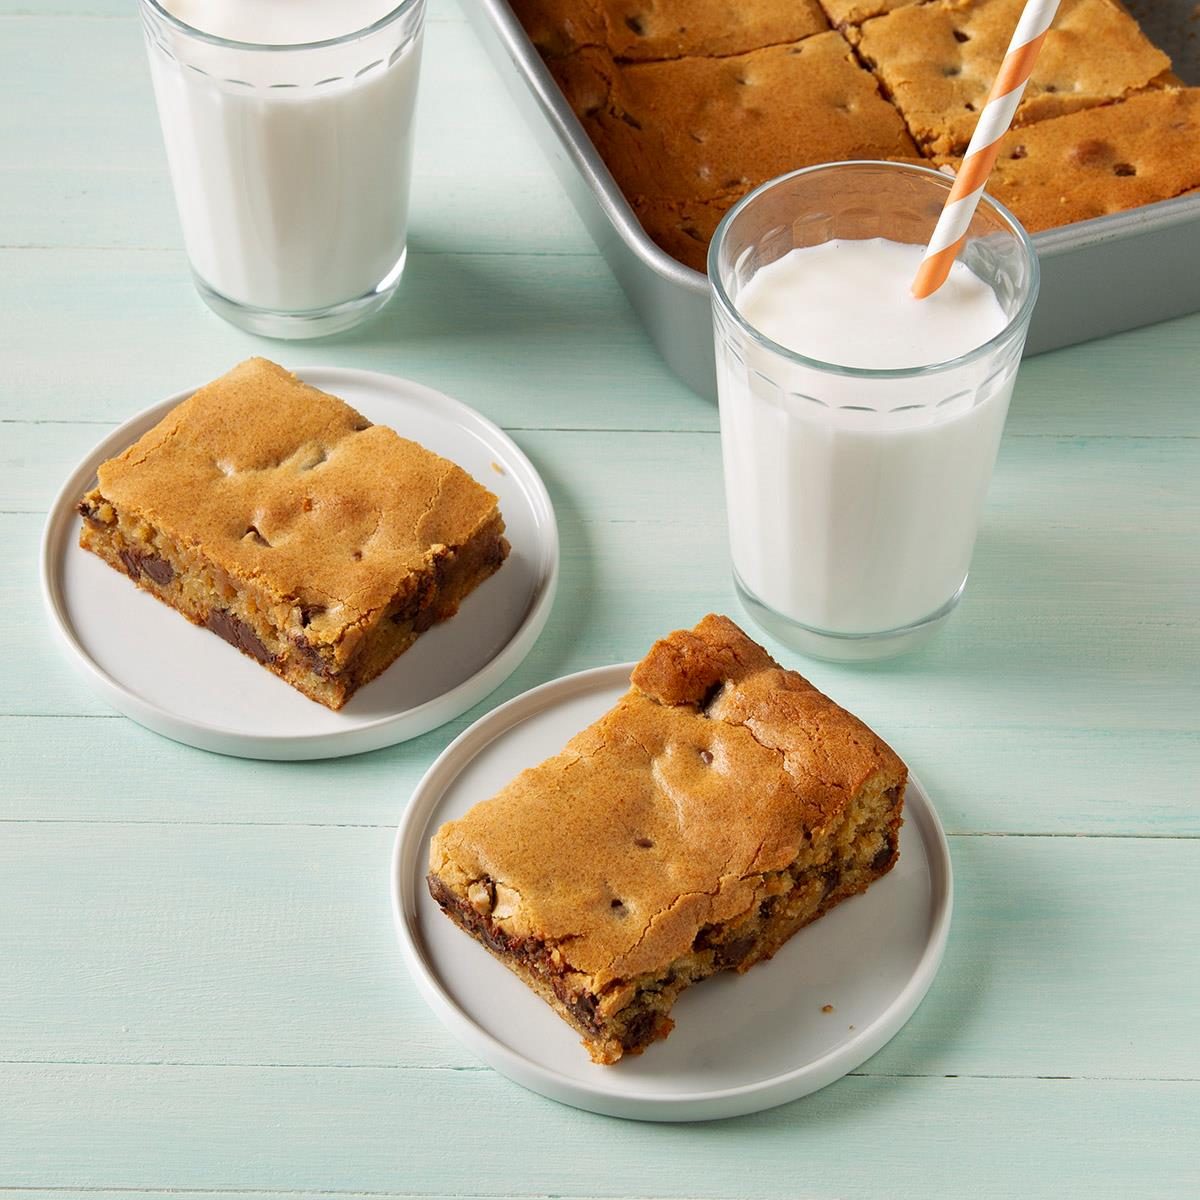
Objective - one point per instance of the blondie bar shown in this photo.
(1100, 160)
(938, 61)
(720, 806)
(275, 515)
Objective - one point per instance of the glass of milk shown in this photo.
(288, 127)
(859, 426)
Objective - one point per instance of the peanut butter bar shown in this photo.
(720, 806)
(658, 29)
(276, 516)
(709, 129)
(1101, 160)
(938, 61)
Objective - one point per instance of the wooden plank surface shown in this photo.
(273, 946)
(200, 989)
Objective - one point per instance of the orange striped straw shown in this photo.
(951, 229)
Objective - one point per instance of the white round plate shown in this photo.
(182, 681)
(740, 1043)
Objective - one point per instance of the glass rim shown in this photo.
(214, 39)
(1012, 324)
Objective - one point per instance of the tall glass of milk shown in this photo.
(859, 426)
(288, 127)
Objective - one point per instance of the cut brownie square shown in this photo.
(704, 129)
(720, 806)
(659, 29)
(1101, 160)
(285, 522)
(938, 62)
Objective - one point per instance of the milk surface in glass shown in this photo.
(853, 505)
(290, 162)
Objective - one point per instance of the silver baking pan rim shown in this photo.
(1099, 277)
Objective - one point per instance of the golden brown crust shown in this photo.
(938, 61)
(672, 813)
(645, 30)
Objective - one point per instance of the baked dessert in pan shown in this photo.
(693, 105)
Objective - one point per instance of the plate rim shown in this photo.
(386, 730)
(710, 1104)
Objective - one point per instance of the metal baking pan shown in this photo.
(1098, 277)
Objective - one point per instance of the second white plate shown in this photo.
(740, 1043)
(184, 682)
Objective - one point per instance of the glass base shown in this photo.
(314, 323)
(845, 647)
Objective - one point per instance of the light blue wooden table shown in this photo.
(199, 986)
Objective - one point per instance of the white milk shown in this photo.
(290, 168)
(854, 502)
(279, 22)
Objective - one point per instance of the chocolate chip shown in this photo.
(158, 569)
(496, 938)
(969, 106)
(730, 953)
(636, 26)
(237, 633)
(308, 612)
(959, 36)
(644, 842)
(584, 1008)
(617, 904)
(1124, 169)
(1018, 152)
(138, 563)
(706, 757)
(768, 906)
(89, 514)
(314, 659)
(884, 857)
(425, 619)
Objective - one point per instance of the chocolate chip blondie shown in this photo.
(693, 104)
(1100, 160)
(285, 522)
(937, 62)
(720, 806)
